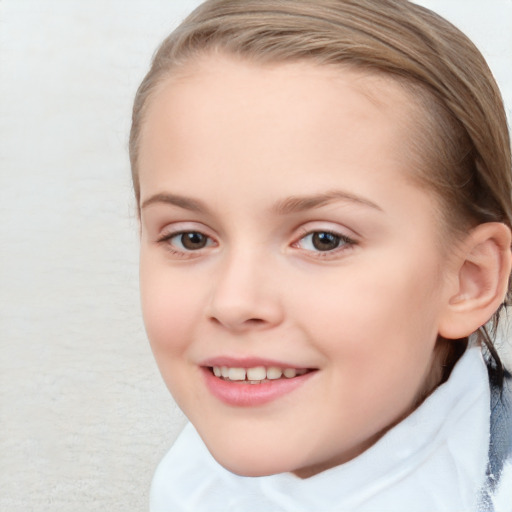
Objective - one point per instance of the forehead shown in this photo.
(218, 71)
(217, 106)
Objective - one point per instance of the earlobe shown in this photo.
(483, 272)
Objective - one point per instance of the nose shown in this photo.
(245, 295)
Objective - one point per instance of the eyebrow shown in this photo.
(184, 202)
(293, 204)
(296, 204)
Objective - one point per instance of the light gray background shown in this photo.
(84, 415)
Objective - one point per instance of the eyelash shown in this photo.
(345, 243)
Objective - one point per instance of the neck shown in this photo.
(446, 354)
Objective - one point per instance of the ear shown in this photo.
(481, 281)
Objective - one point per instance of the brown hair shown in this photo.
(465, 144)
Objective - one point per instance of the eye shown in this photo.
(187, 241)
(323, 241)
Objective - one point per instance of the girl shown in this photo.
(324, 190)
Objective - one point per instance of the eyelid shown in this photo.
(176, 228)
(326, 227)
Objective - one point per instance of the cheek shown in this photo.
(377, 333)
(375, 319)
(368, 302)
(169, 309)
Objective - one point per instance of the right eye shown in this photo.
(323, 241)
(187, 241)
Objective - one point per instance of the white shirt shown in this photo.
(434, 460)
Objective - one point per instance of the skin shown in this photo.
(242, 139)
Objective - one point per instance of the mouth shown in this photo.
(247, 385)
(256, 374)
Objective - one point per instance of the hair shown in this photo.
(464, 147)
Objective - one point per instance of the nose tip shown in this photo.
(243, 299)
(244, 314)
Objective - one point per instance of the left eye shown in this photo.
(190, 241)
(323, 241)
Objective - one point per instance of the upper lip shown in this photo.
(249, 362)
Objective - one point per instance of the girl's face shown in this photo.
(280, 231)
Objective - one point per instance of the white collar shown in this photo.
(434, 460)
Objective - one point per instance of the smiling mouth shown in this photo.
(249, 384)
(256, 375)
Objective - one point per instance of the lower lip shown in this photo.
(250, 395)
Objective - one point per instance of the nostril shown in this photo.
(255, 321)
(249, 323)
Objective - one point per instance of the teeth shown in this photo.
(257, 374)
(274, 373)
(236, 374)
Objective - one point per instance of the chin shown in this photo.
(248, 467)
(253, 465)
(251, 471)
